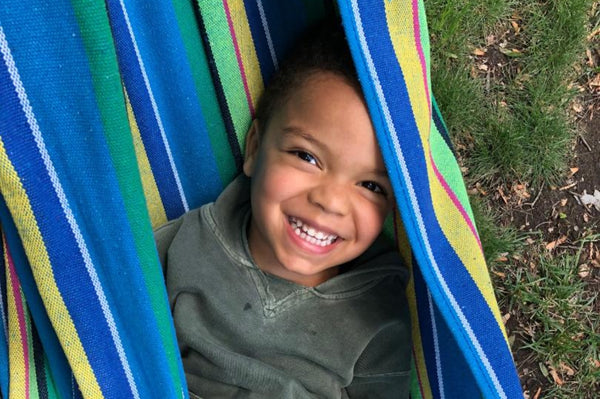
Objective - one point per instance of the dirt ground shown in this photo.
(563, 215)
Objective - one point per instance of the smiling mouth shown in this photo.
(310, 234)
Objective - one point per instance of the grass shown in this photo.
(503, 74)
(557, 322)
(505, 123)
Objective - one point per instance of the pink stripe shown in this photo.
(239, 58)
(417, 26)
(455, 200)
(20, 314)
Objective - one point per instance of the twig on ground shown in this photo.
(532, 204)
(585, 142)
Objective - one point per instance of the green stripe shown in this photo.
(221, 44)
(205, 89)
(415, 389)
(425, 40)
(50, 385)
(33, 386)
(98, 41)
(447, 166)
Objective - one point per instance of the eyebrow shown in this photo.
(299, 132)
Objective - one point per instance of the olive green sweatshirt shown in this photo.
(243, 333)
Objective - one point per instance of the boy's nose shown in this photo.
(331, 198)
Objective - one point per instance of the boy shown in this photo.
(281, 288)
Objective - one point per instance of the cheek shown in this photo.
(369, 220)
(276, 182)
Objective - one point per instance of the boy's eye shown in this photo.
(305, 156)
(374, 187)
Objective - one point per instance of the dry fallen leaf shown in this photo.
(501, 192)
(515, 26)
(566, 369)
(551, 245)
(479, 52)
(563, 201)
(556, 377)
(574, 170)
(537, 393)
(568, 186)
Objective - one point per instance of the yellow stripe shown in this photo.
(247, 49)
(154, 203)
(20, 209)
(16, 354)
(400, 22)
(465, 245)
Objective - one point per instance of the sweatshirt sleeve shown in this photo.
(383, 369)
(163, 236)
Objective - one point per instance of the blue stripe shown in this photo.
(167, 66)
(454, 366)
(287, 21)
(144, 114)
(459, 281)
(426, 328)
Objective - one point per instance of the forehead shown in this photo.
(328, 112)
(322, 94)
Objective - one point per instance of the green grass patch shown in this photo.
(561, 326)
(517, 112)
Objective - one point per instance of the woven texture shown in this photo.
(118, 116)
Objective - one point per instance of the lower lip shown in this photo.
(307, 246)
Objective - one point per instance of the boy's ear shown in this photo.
(252, 145)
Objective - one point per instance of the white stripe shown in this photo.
(163, 135)
(263, 19)
(413, 198)
(37, 135)
(436, 346)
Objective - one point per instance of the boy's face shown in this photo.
(320, 191)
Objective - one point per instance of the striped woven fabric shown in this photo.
(116, 117)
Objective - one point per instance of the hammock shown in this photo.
(117, 116)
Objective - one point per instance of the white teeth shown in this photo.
(310, 234)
